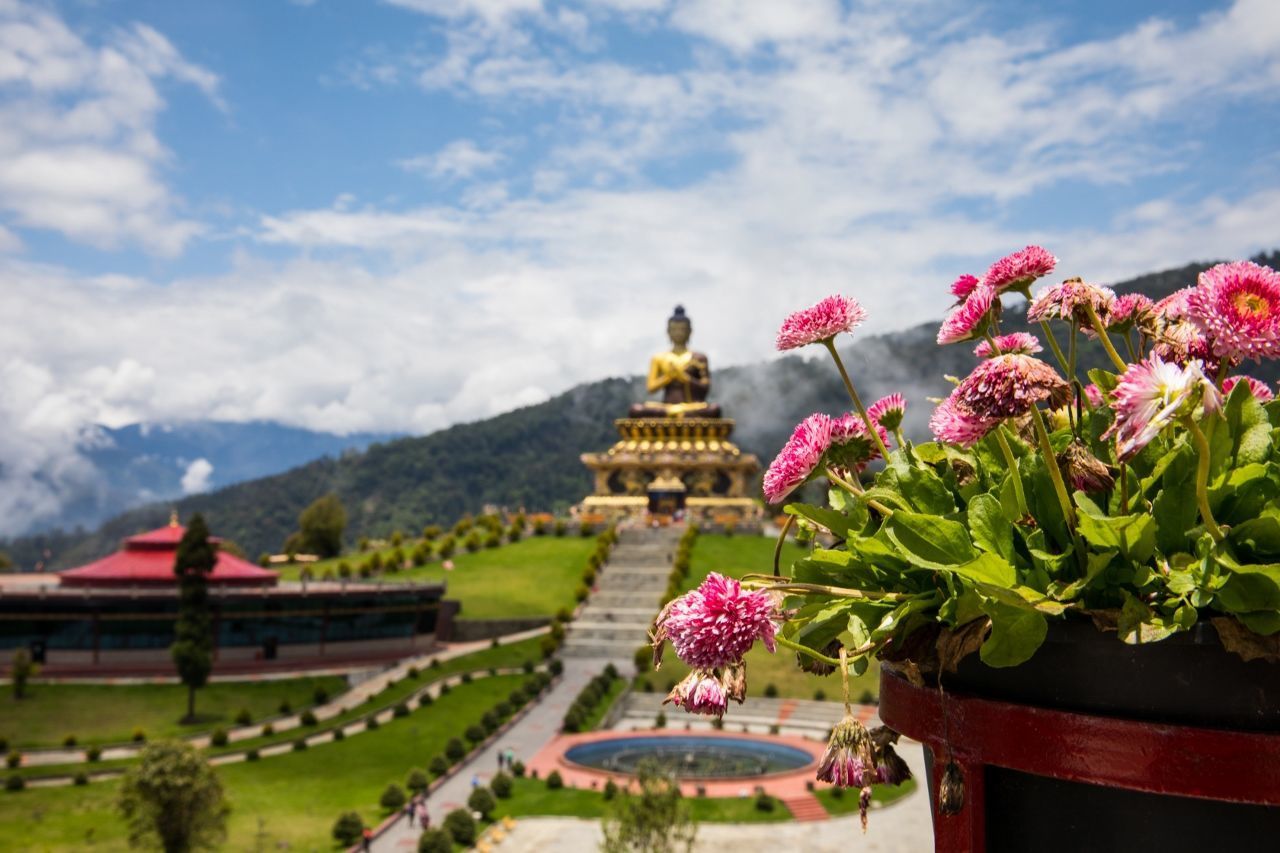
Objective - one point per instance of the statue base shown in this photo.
(664, 466)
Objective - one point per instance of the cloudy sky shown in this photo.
(359, 215)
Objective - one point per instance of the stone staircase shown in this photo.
(615, 620)
(805, 807)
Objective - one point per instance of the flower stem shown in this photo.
(1124, 488)
(844, 680)
(856, 490)
(1071, 351)
(1104, 337)
(782, 537)
(818, 656)
(857, 402)
(1053, 345)
(788, 585)
(1202, 478)
(1055, 473)
(1010, 461)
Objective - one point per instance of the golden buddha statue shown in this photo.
(682, 375)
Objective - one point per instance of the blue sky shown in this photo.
(398, 215)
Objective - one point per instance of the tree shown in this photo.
(653, 820)
(172, 796)
(348, 828)
(435, 841)
(321, 526)
(462, 826)
(192, 648)
(392, 798)
(481, 801)
(22, 671)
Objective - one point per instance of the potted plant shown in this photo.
(1097, 547)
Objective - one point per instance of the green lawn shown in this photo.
(838, 802)
(108, 713)
(606, 702)
(736, 556)
(532, 797)
(297, 796)
(533, 577)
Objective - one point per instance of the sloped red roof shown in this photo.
(147, 560)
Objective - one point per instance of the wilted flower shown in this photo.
(1017, 271)
(963, 286)
(951, 790)
(717, 623)
(734, 682)
(700, 692)
(1017, 342)
(1256, 387)
(815, 666)
(1237, 306)
(1173, 308)
(1175, 341)
(1009, 385)
(969, 319)
(1150, 395)
(798, 458)
(890, 768)
(888, 411)
(849, 761)
(1129, 310)
(1067, 301)
(851, 443)
(953, 425)
(821, 322)
(1084, 471)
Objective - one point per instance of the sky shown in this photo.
(396, 215)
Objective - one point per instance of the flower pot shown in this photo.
(1098, 745)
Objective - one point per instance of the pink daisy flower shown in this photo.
(1067, 301)
(717, 623)
(1017, 342)
(1151, 395)
(1128, 311)
(700, 693)
(953, 425)
(963, 286)
(888, 411)
(851, 444)
(1017, 271)
(1256, 387)
(821, 322)
(1173, 307)
(968, 319)
(798, 458)
(1093, 394)
(1237, 307)
(1007, 386)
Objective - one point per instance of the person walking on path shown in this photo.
(424, 817)
(366, 838)
(410, 809)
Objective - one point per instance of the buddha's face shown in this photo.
(679, 331)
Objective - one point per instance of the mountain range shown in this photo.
(529, 456)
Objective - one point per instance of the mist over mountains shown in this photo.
(529, 456)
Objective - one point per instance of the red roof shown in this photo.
(147, 560)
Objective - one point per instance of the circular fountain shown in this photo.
(691, 756)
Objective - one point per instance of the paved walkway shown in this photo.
(903, 827)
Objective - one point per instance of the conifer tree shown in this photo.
(192, 648)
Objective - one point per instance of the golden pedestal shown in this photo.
(661, 465)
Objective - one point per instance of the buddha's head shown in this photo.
(679, 328)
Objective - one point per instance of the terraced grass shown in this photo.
(532, 797)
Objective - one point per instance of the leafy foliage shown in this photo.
(654, 819)
(321, 526)
(172, 798)
(192, 648)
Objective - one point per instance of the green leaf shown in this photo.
(1250, 587)
(923, 489)
(929, 541)
(1104, 380)
(838, 523)
(1134, 536)
(990, 529)
(1257, 538)
(1016, 633)
(1138, 623)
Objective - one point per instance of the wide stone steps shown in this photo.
(805, 807)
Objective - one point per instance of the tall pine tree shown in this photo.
(192, 648)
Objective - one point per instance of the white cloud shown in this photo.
(78, 151)
(459, 159)
(196, 478)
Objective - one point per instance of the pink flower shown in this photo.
(1151, 395)
(953, 425)
(700, 693)
(1017, 271)
(963, 286)
(821, 323)
(1129, 310)
(1173, 307)
(851, 444)
(1084, 471)
(968, 320)
(1007, 386)
(717, 623)
(1256, 387)
(1017, 342)
(798, 458)
(1237, 307)
(888, 411)
(850, 762)
(1093, 394)
(1067, 301)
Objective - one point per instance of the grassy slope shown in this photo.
(298, 796)
(736, 556)
(847, 801)
(531, 797)
(103, 713)
(533, 577)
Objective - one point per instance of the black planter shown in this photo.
(1187, 680)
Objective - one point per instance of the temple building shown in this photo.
(674, 455)
(117, 614)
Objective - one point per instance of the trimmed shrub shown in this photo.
(371, 722)
(307, 718)
(610, 790)
(81, 778)
(438, 766)
(243, 717)
(556, 667)
(527, 666)
(69, 740)
(517, 768)
(392, 798)
(454, 750)
(268, 730)
(548, 646)
(400, 710)
(644, 659)
(819, 695)
(481, 800)
(465, 678)
(15, 783)
(319, 696)
(417, 780)
(13, 759)
(561, 528)
(444, 688)
(218, 738)
(554, 782)
(489, 722)
(285, 707)
(435, 841)
(765, 803)
(413, 672)
(424, 700)
(339, 734)
(581, 592)
(139, 735)
(501, 786)
(611, 672)
(93, 753)
(300, 745)
(461, 826)
(348, 828)
(660, 721)
(251, 755)
(475, 734)
(771, 691)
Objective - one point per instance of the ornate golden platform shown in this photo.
(666, 464)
